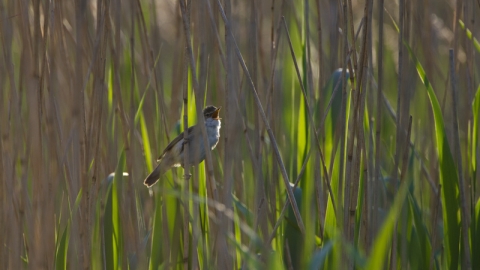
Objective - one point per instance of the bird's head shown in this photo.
(211, 112)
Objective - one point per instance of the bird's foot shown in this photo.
(187, 176)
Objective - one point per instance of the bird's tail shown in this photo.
(152, 178)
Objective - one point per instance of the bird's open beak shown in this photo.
(215, 114)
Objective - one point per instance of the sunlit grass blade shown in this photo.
(237, 238)
(156, 247)
(113, 244)
(474, 139)
(331, 100)
(146, 142)
(97, 234)
(332, 108)
(476, 44)
(294, 239)
(475, 236)
(62, 249)
(139, 117)
(476, 111)
(204, 222)
(448, 172)
(381, 246)
(361, 200)
(359, 212)
(251, 259)
(420, 255)
(331, 223)
(73, 210)
(275, 261)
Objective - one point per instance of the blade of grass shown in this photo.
(186, 149)
(310, 116)
(475, 235)
(476, 112)
(112, 231)
(156, 248)
(381, 245)
(448, 171)
(422, 255)
(448, 174)
(474, 139)
(476, 44)
(291, 198)
(62, 249)
(458, 158)
(378, 127)
(139, 117)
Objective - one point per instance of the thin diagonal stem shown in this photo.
(267, 125)
(310, 117)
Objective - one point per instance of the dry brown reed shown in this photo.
(83, 81)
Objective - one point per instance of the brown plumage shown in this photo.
(166, 163)
(172, 156)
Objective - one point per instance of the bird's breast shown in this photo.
(213, 132)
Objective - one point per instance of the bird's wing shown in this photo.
(174, 142)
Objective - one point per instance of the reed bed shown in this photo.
(349, 134)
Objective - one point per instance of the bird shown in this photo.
(172, 156)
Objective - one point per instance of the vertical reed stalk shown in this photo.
(466, 262)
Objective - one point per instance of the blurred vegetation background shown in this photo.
(370, 107)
